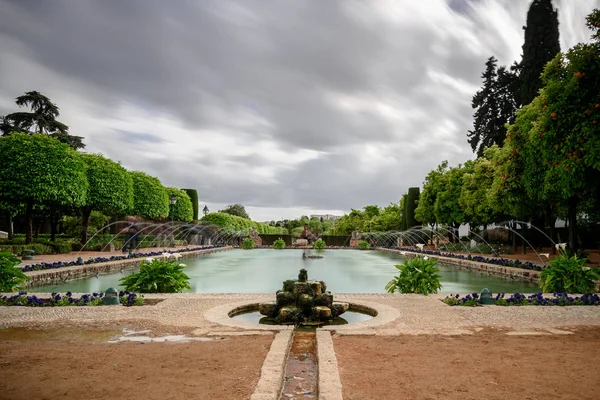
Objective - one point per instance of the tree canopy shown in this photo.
(182, 210)
(37, 169)
(236, 209)
(110, 188)
(150, 199)
(41, 120)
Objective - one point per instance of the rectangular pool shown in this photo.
(263, 271)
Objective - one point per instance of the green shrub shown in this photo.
(568, 274)
(157, 276)
(319, 244)
(363, 245)
(17, 249)
(236, 223)
(417, 275)
(72, 225)
(279, 244)
(248, 244)
(11, 276)
(58, 246)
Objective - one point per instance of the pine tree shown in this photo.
(495, 104)
(41, 120)
(506, 87)
(541, 45)
(487, 110)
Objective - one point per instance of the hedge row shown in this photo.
(236, 223)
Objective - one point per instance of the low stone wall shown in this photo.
(496, 270)
(63, 274)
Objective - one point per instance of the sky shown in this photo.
(288, 107)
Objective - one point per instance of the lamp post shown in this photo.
(205, 210)
(173, 201)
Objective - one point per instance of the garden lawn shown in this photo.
(86, 367)
(488, 365)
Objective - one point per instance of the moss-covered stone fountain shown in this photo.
(303, 302)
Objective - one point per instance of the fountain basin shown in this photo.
(249, 313)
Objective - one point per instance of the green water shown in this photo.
(263, 271)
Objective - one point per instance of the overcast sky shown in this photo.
(288, 107)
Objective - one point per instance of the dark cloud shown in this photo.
(317, 104)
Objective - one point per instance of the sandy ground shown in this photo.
(77, 365)
(488, 365)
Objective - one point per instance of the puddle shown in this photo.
(167, 338)
(104, 336)
(135, 336)
(301, 369)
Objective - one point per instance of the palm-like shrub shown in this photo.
(157, 276)
(11, 276)
(279, 244)
(417, 275)
(568, 274)
(248, 244)
(319, 244)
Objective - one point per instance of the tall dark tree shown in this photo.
(541, 45)
(495, 107)
(486, 116)
(41, 119)
(506, 87)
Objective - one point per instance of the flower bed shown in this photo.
(94, 260)
(56, 300)
(518, 299)
(504, 262)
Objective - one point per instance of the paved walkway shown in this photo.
(399, 314)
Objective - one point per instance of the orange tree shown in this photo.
(567, 134)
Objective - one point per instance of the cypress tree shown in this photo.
(541, 45)
(412, 199)
(194, 198)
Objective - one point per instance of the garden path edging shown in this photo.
(492, 269)
(48, 276)
(273, 369)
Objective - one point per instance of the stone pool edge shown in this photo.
(526, 275)
(222, 315)
(49, 276)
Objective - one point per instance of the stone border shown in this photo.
(222, 315)
(381, 313)
(492, 269)
(273, 369)
(330, 385)
(49, 276)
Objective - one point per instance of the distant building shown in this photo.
(326, 217)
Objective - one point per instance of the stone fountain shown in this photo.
(303, 301)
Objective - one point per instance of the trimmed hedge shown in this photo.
(40, 246)
(236, 223)
(17, 249)
(193, 193)
(412, 198)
